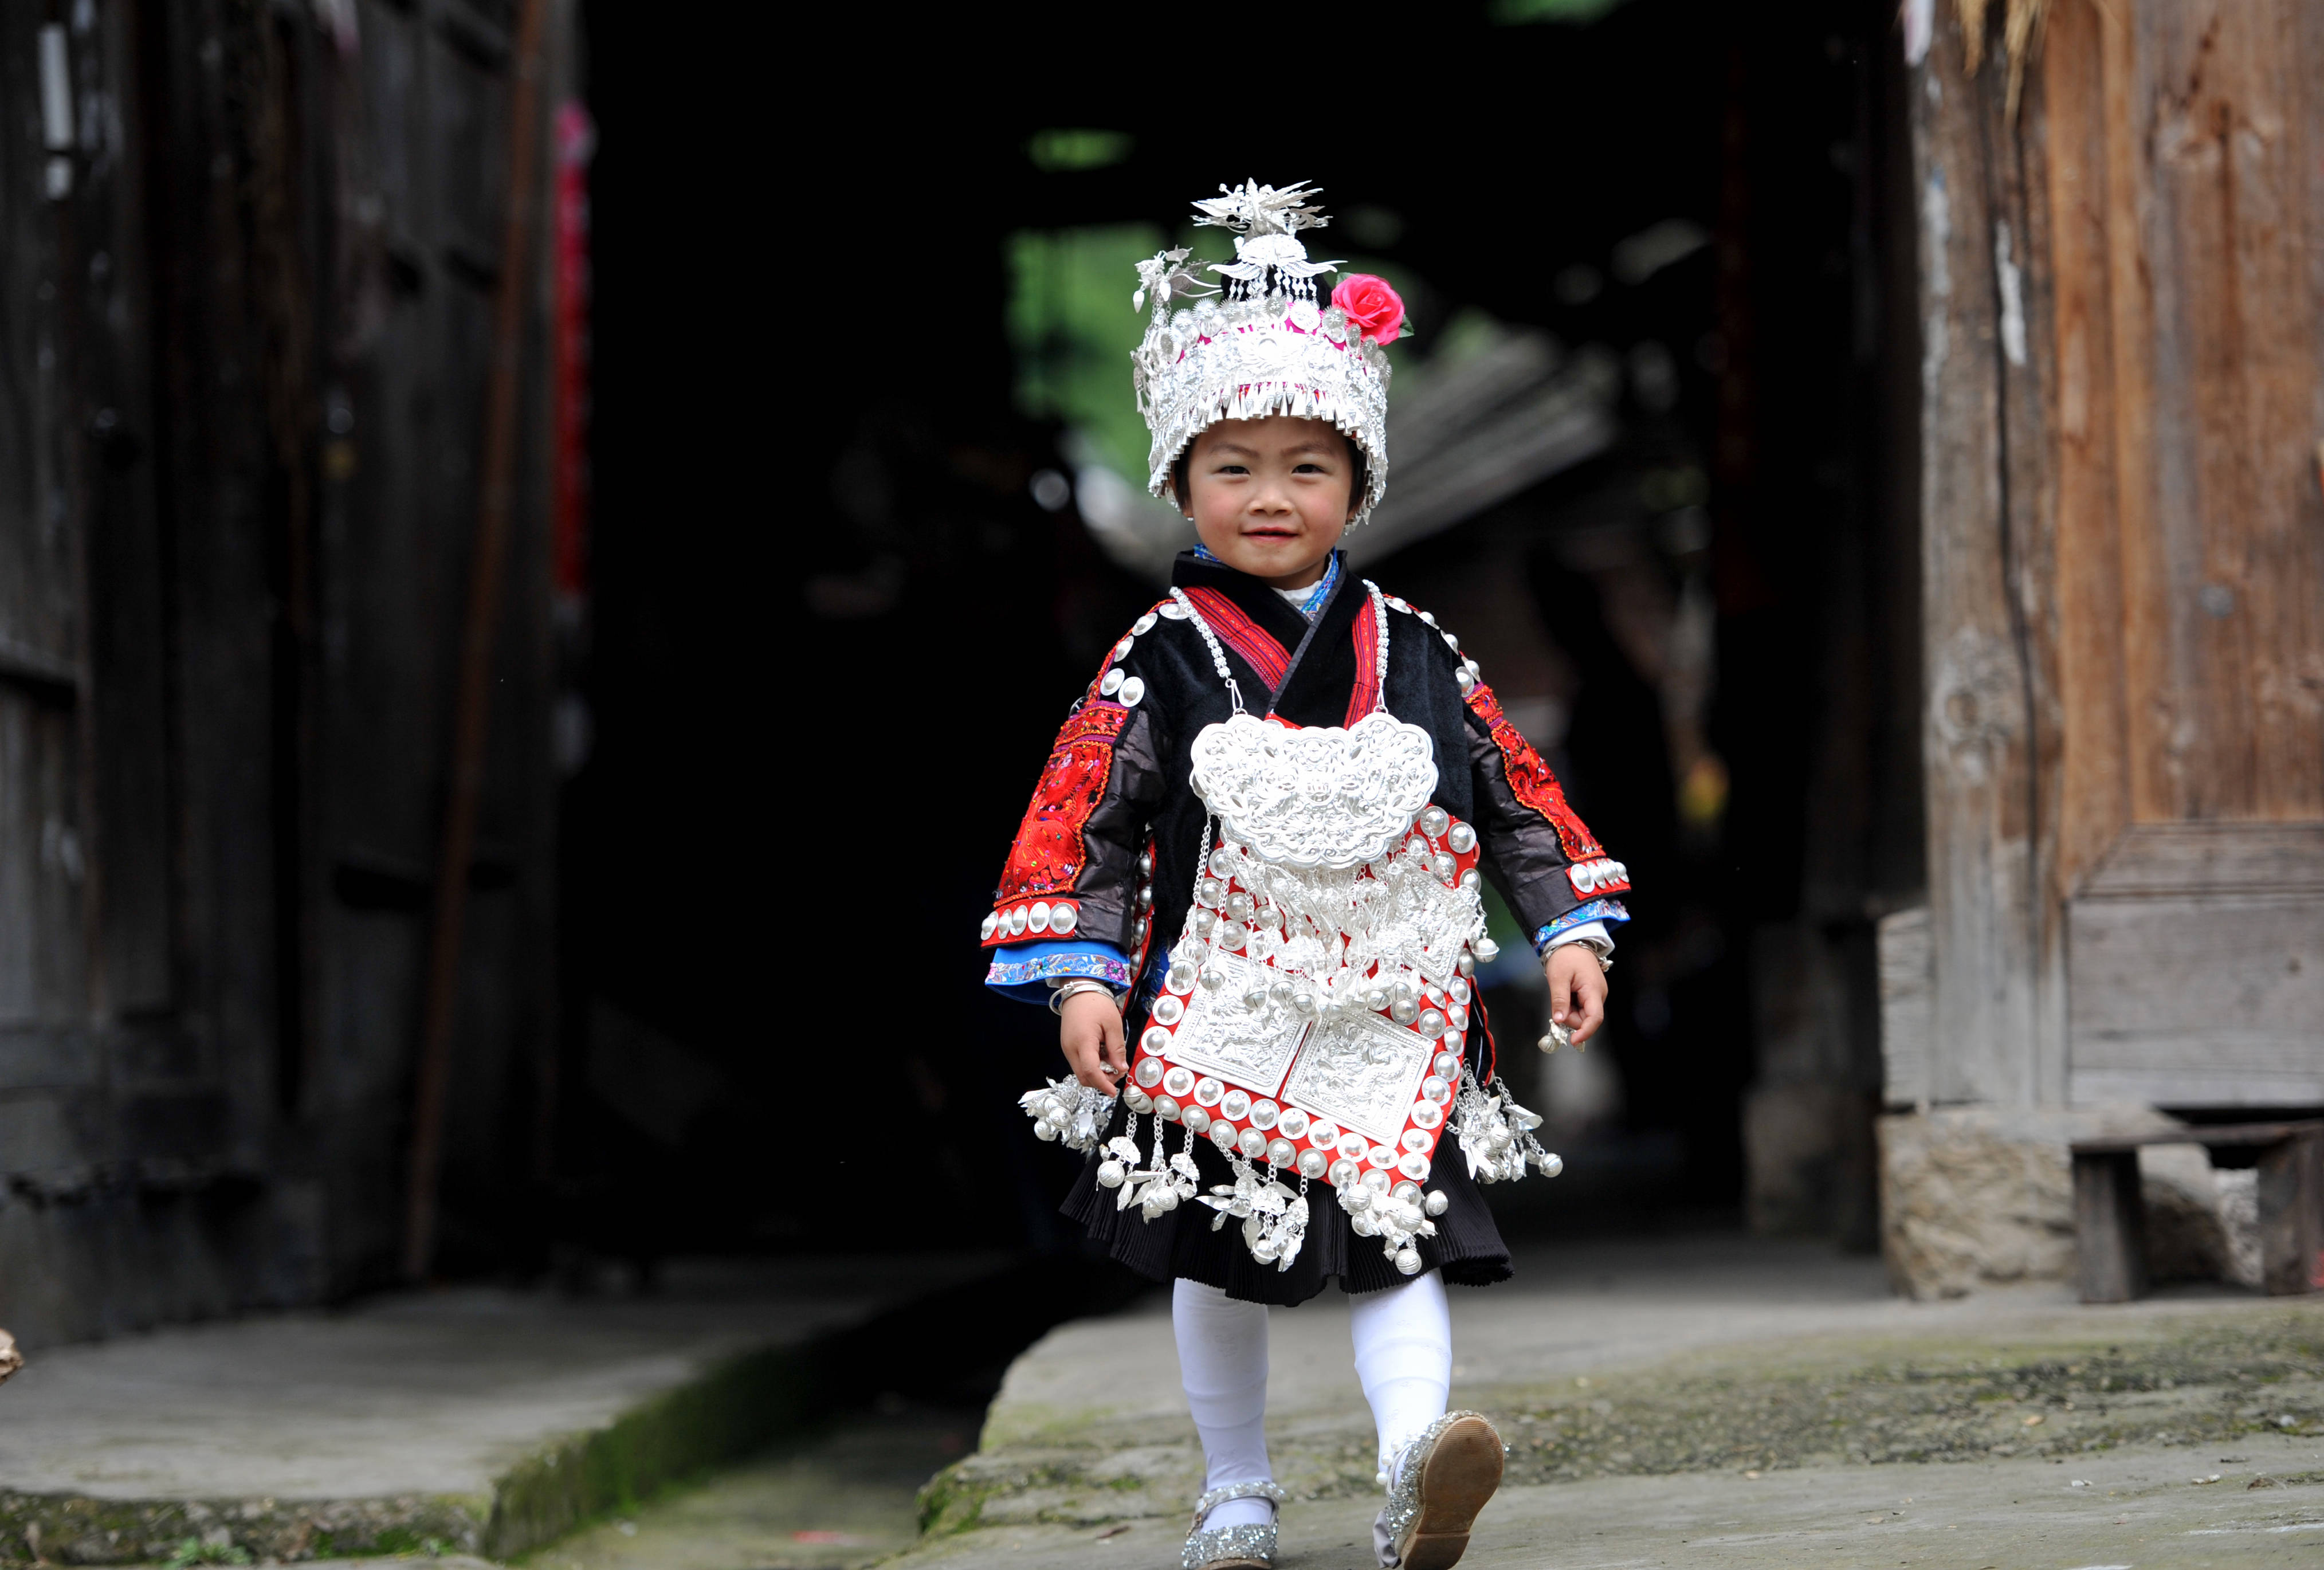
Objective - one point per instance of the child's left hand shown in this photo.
(1577, 989)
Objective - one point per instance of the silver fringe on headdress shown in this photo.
(1261, 344)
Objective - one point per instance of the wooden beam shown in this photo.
(472, 715)
(2210, 1136)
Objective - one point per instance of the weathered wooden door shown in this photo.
(2124, 286)
(2187, 195)
(245, 253)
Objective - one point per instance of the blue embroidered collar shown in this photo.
(1317, 597)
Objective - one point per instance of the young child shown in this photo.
(1255, 853)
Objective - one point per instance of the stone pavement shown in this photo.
(1676, 1402)
(1710, 1401)
(468, 1418)
(2138, 1509)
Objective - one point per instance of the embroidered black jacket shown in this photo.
(1108, 848)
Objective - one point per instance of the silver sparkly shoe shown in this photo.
(1245, 1547)
(1443, 1479)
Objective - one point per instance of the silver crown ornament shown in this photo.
(1259, 343)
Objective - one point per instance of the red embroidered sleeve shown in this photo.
(1530, 780)
(1049, 854)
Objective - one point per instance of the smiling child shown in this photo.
(1256, 852)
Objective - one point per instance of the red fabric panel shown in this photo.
(1530, 780)
(1048, 855)
(1364, 695)
(1246, 637)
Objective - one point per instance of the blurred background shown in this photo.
(826, 494)
(542, 544)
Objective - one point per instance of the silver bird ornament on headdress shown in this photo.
(1264, 346)
(1163, 275)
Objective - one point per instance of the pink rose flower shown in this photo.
(1371, 306)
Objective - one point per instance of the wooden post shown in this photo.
(472, 713)
(1980, 498)
(2110, 1226)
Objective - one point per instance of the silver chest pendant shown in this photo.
(1313, 1016)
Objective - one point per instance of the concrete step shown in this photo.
(843, 1499)
(471, 1420)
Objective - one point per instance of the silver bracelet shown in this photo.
(1074, 987)
(1604, 960)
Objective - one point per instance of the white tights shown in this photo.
(1404, 1360)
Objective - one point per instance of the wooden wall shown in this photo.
(241, 361)
(2124, 549)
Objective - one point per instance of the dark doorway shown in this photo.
(841, 603)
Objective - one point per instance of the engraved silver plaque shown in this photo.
(1252, 1048)
(1362, 1072)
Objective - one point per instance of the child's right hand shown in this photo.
(1577, 989)
(1089, 1032)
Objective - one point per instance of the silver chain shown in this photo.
(1218, 655)
(1203, 861)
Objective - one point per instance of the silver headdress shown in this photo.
(1262, 343)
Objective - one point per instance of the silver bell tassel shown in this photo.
(1065, 1111)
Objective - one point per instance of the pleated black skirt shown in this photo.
(1467, 1247)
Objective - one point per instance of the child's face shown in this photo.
(1269, 497)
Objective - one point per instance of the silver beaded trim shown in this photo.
(1469, 673)
(1206, 1545)
(1403, 1493)
(1255, 1488)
